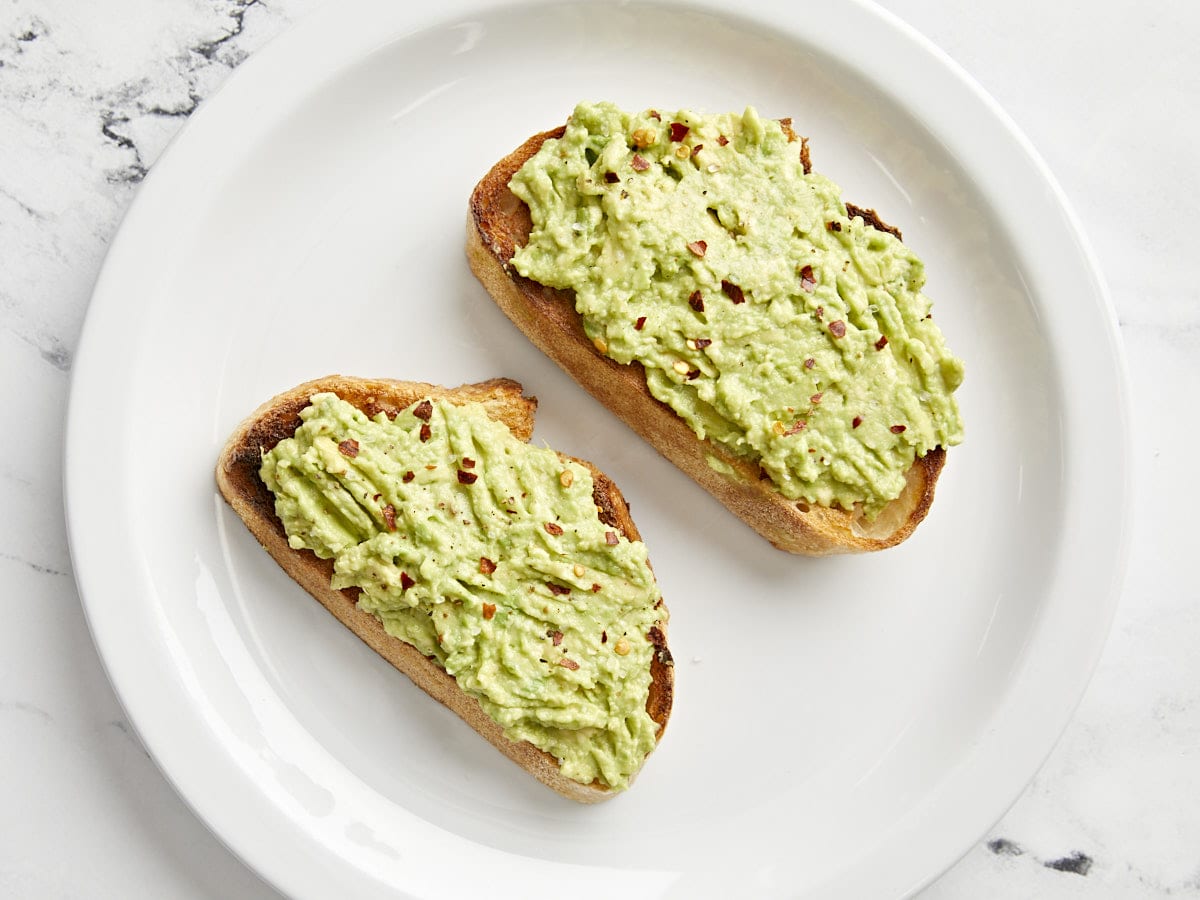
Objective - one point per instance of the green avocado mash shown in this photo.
(778, 326)
(487, 555)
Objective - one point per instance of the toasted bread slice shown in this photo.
(240, 484)
(498, 223)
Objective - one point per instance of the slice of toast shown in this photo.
(498, 223)
(240, 484)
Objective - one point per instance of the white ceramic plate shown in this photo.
(843, 727)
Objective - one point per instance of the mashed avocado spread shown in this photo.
(788, 332)
(487, 555)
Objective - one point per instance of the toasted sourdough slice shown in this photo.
(498, 223)
(240, 484)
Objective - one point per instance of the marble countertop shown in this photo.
(90, 93)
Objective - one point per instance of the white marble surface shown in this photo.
(90, 93)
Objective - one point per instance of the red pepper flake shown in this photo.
(604, 637)
(348, 447)
(701, 343)
(816, 398)
(655, 116)
(881, 343)
(557, 589)
(610, 538)
(898, 429)
(856, 421)
(697, 149)
(640, 164)
(722, 140)
(486, 566)
(733, 292)
(696, 301)
(640, 323)
(611, 177)
(553, 528)
(699, 248)
(568, 664)
(489, 610)
(693, 374)
(467, 477)
(423, 410)
(407, 477)
(809, 363)
(555, 637)
(820, 313)
(679, 131)
(405, 581)
(595, 588)
(807, 279)
(837, 328)
(468, 463)
(425, 432)
(376, 496)
(833, 226)
(795, 427)
(389, 517)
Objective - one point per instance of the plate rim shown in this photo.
(912, 870)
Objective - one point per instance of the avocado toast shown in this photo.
(508, 582)
(697, 277)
